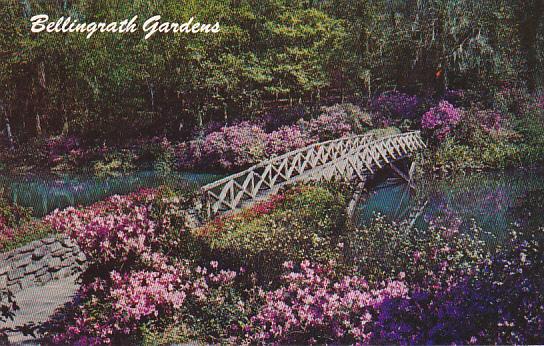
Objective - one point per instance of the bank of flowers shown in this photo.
(240, 145)
(466, 130)
(17, 227)
(289, 270)
(395, 105)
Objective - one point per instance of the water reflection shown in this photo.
(493, 201)
(44, 193)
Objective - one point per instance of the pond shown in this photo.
(45, 193)
(493, 201)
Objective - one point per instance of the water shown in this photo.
(45, 193)
(493, 201)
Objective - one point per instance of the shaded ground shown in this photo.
(37, 304)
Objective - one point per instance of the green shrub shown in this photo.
(17, 227)
(384, 250)
(531, 128)
(24, 234)
(114, 163)
(453, 156)
(303, 222)
(388, 131)
(171, 210)
(12, 215)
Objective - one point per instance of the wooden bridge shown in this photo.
(341, 159)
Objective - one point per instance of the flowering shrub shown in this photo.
(503, 304)
(114, 230)
(229, 148)
(441, 120)
(395, 105)
(122, 230)
(490, 120)
(60, 146)
(316, 306)
(12, 215)
(454, 96)
(386, 283)
(286, 139)
(298, 223)
(133, 279)
(116, 307)
(425, 256)
(240, 145)
(347, 115)
(512, 99)
(469, 301)
(16, 226)
(327, 126)
(14, 237)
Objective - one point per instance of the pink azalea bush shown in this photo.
(441, 120)
(490, 120)
(116, 307)
(130, 280)
(316, 306)
(60, 146)
(243, 144)
(231, 147)
(338, 121)
(327, 126)
(285, 139)
(116, 229)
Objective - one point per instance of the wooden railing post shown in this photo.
(342, 158)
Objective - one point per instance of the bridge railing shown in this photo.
(341, 158)
(230, 192)
(371, 156)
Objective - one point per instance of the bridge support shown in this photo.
(407, 176)
(355, 198)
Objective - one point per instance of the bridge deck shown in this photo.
(342, 159)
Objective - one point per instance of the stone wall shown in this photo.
(39, 262)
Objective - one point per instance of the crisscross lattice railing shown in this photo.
(371, 157)
(342, 158)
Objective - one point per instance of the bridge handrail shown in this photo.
(376, 141)
(324, 155)
(275, 159)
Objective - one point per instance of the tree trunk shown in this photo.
(532, 17)
(41, 89)
(38, 125)
(65, 123)
(9, 135)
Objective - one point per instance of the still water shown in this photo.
(45, 193)
(493, 201)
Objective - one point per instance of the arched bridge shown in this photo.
(341, 159)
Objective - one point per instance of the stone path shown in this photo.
(38, 303)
